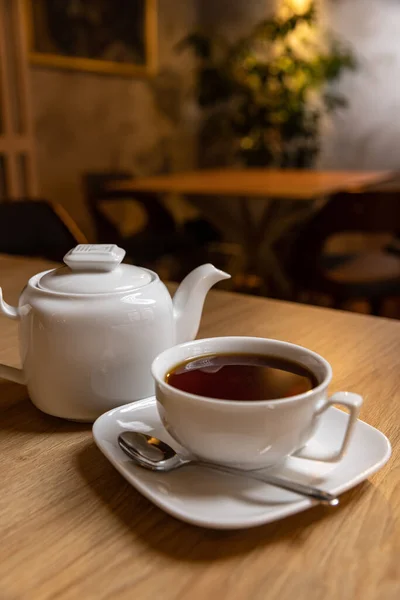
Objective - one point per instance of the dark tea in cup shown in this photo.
(242, 377)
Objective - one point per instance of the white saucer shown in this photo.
(204, 497)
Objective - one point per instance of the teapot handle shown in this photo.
(12, 374)
(6, 372)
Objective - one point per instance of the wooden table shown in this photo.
(274, 183)
(258, 232)
(71, 527)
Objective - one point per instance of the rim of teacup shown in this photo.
(159, 371)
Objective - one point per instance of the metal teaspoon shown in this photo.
(155, 455)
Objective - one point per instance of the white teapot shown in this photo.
(90, 330)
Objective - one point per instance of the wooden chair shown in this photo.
(372, 275)
(158, 219)
(31, 227)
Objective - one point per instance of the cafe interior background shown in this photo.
(98, 92)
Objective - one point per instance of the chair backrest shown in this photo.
(368, 212)
(94, 188)
(364, 213)
(97, 192)
(31, 227)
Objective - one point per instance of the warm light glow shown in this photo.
(299, 6)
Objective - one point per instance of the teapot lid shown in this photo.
(95, 269)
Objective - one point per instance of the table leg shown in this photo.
(259, 237)
(249, 236)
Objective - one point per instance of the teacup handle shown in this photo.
(351, 401)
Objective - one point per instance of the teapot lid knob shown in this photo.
(94, 257)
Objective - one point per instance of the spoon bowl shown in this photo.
(150, 452)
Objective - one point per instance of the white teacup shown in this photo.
(252, 434)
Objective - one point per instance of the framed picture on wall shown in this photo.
(117, 37)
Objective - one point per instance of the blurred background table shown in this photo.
(289, 184)
(72, 527)
(285, 199)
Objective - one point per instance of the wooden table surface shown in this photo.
(71, 526)
(273, 183)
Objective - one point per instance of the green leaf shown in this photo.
(213, 86)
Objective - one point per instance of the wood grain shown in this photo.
(71, 527)
(273, 183)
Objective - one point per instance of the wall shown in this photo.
(92, 122)
(367, 134)
(232, 18)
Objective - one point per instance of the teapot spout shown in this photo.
(189, 299)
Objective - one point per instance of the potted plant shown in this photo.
(264, 95)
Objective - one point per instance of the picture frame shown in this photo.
(114, 37)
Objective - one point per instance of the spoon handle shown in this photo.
(293, 486)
